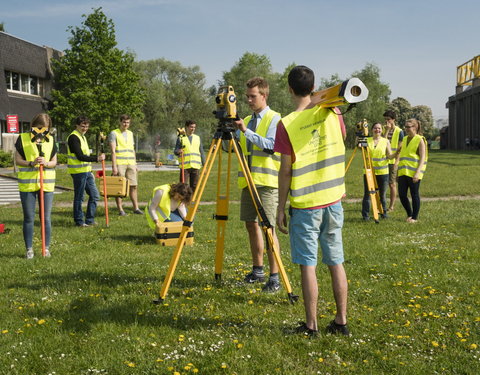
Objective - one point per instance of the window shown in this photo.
(23, 83)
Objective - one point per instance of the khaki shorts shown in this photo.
(269, 199)
(392, 173)
(128, 171)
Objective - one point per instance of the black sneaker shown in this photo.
(302, 329)
(254, 277)
(335, 329)
(271, 286)
(138, 211)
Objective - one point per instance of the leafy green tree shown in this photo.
(94, 78)
(174, 94)
(2, 26)
(423, 113)
(402, 109)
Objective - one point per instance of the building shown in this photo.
(463, 131)
(25, 84)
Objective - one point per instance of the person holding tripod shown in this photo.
(29, 158)
(312, 173)
(257, 138)
(189, 147)
(80, 168)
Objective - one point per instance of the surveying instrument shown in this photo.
(226, 113)
(372, 186)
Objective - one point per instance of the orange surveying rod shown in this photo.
(42, 204)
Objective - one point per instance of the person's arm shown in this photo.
(76, 147)
(202, 153)
(178, 150)
(152, 208)
(182, 210)
(421, 153)
(388, 152)
(284, 180)
(267, 142)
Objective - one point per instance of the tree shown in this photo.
(402, 109)
(253, 65)
(94, 78)
(2, 26)
(424, 114)
(174, 94)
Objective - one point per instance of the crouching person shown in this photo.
(168, 203)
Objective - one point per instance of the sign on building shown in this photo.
(12, 124)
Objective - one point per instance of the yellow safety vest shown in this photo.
(318, 171)
(29, 177)
(74, 165)
(394, 142)
(124, 151)
(265, 167)
(379, 155)
(191, 152)
(163, 209)
(409, 159)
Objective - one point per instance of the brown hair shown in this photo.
(124, 117)
(259, 82)
(415, 122)
(43, 120)
(182, 189)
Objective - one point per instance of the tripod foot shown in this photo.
(158, 301)
(292, 298)
(218, 276)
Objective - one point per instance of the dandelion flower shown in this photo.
(473, 346)
(435, 344)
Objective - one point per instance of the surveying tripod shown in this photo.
(372, 186)
(225, 132)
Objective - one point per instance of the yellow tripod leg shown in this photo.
(371, 182)
(222, 214)
(189, 219)
(266, 227)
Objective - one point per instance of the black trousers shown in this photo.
(406, 183)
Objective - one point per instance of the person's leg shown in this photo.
(79, 182)
(392, 171)
(403, 194)
(93, 197)
(310, 295)
(382, 182)
(48, 198)
(194, 174)
(131, 175)
(415, 192)
(366, 200)
(28, 200)
(255, 238)
(340, 292)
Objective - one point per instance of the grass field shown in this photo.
(414, 298)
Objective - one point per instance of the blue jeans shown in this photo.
(28, 200)
(84, 182)
(382, 183)
(174, 216)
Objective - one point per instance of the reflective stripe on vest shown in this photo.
(409, 159)
(191, 152)
(318, 171)
(265, 167)
(29, 177)
(379, 155)
(394, 142)
(74, 165)
(124, 150)
(163, 209)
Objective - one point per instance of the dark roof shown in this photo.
(23, 57)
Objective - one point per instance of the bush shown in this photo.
(6, 159)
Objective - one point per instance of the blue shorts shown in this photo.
(308, 227)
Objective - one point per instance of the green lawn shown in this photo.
(414, 299)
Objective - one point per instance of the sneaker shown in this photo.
(91, 224)
(271, 286)
(302, 329)
(335, 328)
(138, 211)
(83, 225)
(122, 213)
(254, 277)
(29, 253)
(47, 253)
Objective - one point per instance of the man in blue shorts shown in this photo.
(312, 173)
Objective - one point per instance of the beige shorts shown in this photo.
(269, 199)
(128, 171)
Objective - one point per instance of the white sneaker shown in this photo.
(47, 253)
(29, 253)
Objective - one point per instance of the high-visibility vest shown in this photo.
(163, 209)
(29, 177)
(409, 159)
(379, 155)
(191, 152)
(394, 142)
(318, 171)
(74, 165)
(124, 150)
(264, 167)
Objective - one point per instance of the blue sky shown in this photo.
(416, 44)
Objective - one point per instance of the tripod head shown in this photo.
(226, 111)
